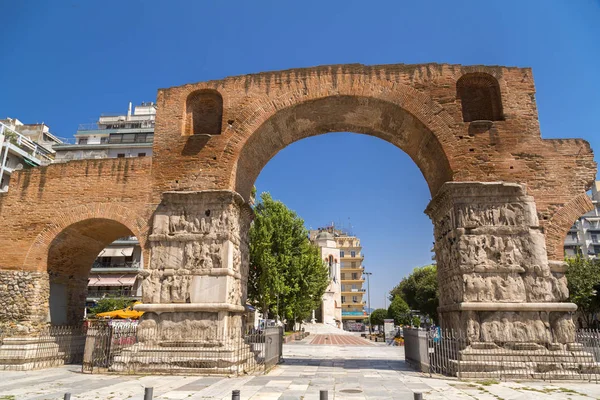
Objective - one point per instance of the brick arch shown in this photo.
(557, 228)
(37, 255)
(394, 112)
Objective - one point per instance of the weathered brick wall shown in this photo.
(414, 107)
(43, 202)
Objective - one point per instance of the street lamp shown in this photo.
(368, 274)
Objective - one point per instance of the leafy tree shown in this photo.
(111, 304)
(583, 281)
(420, 290)
(377, 317)
(287, 276)
(399, 311)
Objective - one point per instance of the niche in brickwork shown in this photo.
(204, 112)
(479, 95)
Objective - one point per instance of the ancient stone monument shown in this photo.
(503, 198)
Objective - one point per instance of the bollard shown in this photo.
(235, 395)
(418, 396)
(148, 392)
(323, 395)
(67, 396)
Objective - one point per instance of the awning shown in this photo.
(112, 280)
(117, 251)
(30, 163)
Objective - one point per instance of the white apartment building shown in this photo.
(23, 146)
(113, 136)
(115, 271)
(584, 236)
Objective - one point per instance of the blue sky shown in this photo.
(64, 63)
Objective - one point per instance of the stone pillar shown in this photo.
(195, 287)
(495, 281)
(23, 301)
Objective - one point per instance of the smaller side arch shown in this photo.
(557, 228)
(480, 98)
(37, 255)
(203, 113)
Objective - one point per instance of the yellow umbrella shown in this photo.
(126, 313)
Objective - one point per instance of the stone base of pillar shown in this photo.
(187, 359)
(524, 361)
(29, 353)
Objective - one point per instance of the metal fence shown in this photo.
(130, 349)
(451, 353)
(49, 347)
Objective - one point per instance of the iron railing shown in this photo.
(451, 353)
(130, 349)
(51, 346)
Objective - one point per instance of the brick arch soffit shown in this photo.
(418, 104)
(557, 228)
(38, 251)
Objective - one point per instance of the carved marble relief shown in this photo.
(489, 249)
(197, 234)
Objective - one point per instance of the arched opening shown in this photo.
(364, 115)
(204, 113)
(581, 247)
(71, 256)
(479, 96)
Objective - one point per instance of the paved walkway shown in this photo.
(349, 340)
(347, 372)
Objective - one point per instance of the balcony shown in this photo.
(351, 268)
(357, 256)
(353, 279)
(353, 313)
(569, 241)
(130, 266)
(116, 292)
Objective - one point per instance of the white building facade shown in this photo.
(331, 305)
(113, 136)
(584, 236)
(23, 146)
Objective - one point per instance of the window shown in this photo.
(343, 299)
(82, 141)
(128, 138)
(341, 253)
(141, 154)
(343, 276)
(120, 155)
(353, 264)
(355, 299)
(352, 254)
(330, 260)
(353, 286)
(595, 238)
(204, 112)
(354, 275)
(479, 96)
(103, 140)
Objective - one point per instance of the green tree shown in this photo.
(399, 311)
(583, 281)
(378, 316)
(287, 276)
(420, 290)
(111, 304)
